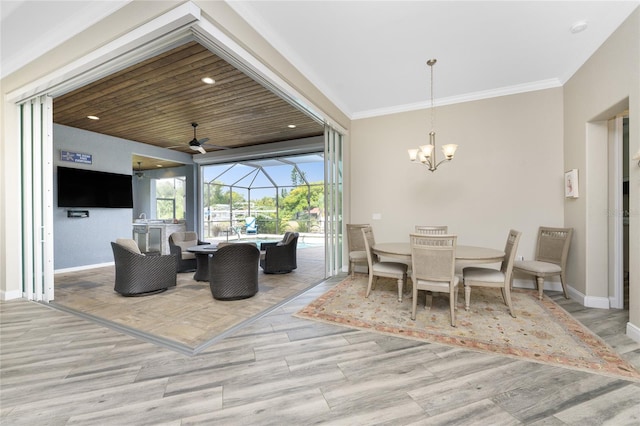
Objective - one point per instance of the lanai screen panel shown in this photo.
(258, 188)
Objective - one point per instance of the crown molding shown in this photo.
(468, 97)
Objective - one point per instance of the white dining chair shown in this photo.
(478, 276)
(378, 268)
(552, 250)
(433, 259)
(355, 243)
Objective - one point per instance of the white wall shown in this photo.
(507, 173)
(607, 84)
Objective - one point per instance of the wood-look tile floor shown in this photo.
(187, 315)
(60, 369)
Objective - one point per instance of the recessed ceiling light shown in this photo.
(291, 126)
(578, 27)
(208, 80)
(158, 165)
(93, 117)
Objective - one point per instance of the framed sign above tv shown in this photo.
(89, 188)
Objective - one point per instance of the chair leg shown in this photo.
(452, 307)
(400, 288)
(351, 269)
(506, 295)
(414, 302)
(456, 298)
(467, 297)
(540, 284)
(369, 285)
(564, 286)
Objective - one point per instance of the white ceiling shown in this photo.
(369, 57)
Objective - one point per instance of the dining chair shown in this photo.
(552, 250)
(378, 268)
(431, 230)
(477, 276)
(433, 259)
(355, 242)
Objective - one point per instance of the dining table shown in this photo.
(466, 254)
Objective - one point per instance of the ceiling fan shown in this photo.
(197, 144)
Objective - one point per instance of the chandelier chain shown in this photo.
(433, 110)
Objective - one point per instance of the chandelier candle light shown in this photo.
(426, 153)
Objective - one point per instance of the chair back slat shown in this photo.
(355, 240)
(432, 230)
(553, 245)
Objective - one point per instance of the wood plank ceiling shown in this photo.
(155, 102)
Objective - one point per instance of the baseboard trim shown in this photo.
(10, 295)
(586, 301)
(83, 267)
(597, 302)
(633, 332)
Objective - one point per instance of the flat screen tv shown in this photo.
(89, 188)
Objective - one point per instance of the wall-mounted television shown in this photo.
(89, 188)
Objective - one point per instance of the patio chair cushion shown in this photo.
(129, 244)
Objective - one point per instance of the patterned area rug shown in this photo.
(542, 332)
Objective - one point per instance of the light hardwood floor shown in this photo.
(60, 369)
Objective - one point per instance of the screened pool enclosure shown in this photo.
(264, 197)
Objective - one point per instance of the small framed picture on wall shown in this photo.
(571, 184)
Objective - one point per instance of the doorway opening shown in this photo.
(263, 198)
(618, 227)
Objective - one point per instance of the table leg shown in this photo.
(202, 267)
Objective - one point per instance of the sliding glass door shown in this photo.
(333, 201)
(36, 138)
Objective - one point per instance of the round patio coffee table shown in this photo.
(202, 253)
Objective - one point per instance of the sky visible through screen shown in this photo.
(259, 174)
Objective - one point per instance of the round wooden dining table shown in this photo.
(466, 254)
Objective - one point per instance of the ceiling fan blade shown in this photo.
(203, 140)
(201, 149)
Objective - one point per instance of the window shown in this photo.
(170, 198)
